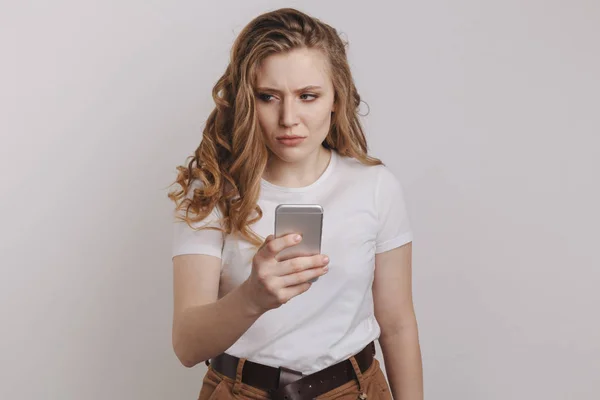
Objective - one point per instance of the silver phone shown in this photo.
(304, 219)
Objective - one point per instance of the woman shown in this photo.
(285, 130)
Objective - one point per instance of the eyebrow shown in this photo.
(309, 87)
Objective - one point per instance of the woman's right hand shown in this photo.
(272, 282)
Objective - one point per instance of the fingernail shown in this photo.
(325, 259)
(297, 238)
(325, 269)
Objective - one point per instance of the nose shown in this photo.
(288, 116)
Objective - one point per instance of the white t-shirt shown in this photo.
(364, 214)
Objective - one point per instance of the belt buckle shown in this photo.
(287, 376)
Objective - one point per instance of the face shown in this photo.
(295, 98)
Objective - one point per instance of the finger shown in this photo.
(290, 292)
(302, 277)
(264, 244)
(299, 264)
(276, 245)
(267, 240)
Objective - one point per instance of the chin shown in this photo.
(291, 154)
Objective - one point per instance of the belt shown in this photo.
(286, 383)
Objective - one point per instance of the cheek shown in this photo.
(318, 121)
(266, 119)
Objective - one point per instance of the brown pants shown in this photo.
(372, 383)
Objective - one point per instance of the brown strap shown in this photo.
(287, 376)
(254, 374)
(284, 382)
(325, 380)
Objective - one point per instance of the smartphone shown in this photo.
(304, 219)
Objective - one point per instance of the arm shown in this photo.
(204, 327)
(392, 295)
(197, 310)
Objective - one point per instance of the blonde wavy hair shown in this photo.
(232, 156)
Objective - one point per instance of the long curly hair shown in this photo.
(232, 155)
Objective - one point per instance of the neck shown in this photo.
(298, 174)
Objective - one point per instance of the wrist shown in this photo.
(248, 298)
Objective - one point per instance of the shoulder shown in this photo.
(187, 206)
(374, 174)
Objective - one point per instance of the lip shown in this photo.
(290, 137)
(290, 140)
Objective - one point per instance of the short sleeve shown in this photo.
(204, 241)
(393, 221)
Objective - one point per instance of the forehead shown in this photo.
(297, 68)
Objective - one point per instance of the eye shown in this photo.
(265, 97)
(313, 96)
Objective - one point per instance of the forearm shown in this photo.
(403, 364)
(203, 332)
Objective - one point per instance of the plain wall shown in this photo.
(487, 111)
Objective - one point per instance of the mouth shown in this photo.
(286, 137)
(290, 140)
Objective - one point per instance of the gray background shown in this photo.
(487, 111)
